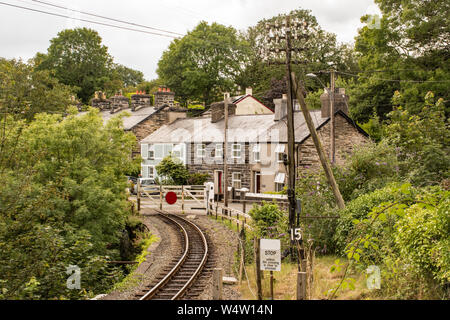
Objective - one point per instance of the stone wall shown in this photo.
(347, 137)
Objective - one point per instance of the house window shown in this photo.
(148, 172)
(279, 151)
(236, 151)
(236, 180)
(279, 181)
(201, 150)
(151, 152)
(151, 172)
(176, 151)
(219, 151)
(257, 152)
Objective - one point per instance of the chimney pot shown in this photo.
(249, 91)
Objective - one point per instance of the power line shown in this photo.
(393, 80)
(88, 21)
(107, 18)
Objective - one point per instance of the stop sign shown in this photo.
(171, 197)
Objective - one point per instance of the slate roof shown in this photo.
(242, 128)
(134, 119)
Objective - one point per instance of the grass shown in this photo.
(285, 282)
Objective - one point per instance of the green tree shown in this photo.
(25, 91)
(78, 58)
(62, 202)
(410, 45)
(204, 63)
(172, 171)
(128, 76)
(319, 50)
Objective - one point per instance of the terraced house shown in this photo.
(256, 143)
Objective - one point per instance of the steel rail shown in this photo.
(160, 284)
(201, 265)
(150, 294)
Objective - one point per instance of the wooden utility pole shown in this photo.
(290, 129)
(225, 152)
(298, 88)
(332, 130)
(290, 30)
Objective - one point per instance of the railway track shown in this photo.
(183, 272)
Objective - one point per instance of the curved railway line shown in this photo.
(182, 272)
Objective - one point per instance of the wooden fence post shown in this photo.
(217, 284)
(139, 195)
(160, 197)
(301, 285)
(182, 199)
(258, 267)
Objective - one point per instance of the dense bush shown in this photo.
(357, 210)
(268, 221)
(370, 167)
(62, 202)
(172, 171)
(408, 239)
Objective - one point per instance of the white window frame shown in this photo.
(151, 150)
(148, 172)
(233, 151)
(279, 186)
(202, 148)
(216, 153)
(279, 151)
(257, 151)
(233, 179)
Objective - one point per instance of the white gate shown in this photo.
(189, 198)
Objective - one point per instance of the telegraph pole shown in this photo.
(226, 96)
(289, 29)
(332, 130)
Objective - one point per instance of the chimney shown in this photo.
(249, 91)
(340, 102)
(218, 111)
(164, 97)
(280, 108)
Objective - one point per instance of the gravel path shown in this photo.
(223, 243)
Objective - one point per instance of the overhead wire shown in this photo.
(85, 20)
(107, 18)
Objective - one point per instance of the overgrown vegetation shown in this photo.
(62, 202)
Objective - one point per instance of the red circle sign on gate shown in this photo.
(171, 197)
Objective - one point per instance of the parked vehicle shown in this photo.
(144, 182)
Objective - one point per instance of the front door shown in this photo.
(218, 182)
(257, 182)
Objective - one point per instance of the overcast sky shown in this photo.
(23, 33)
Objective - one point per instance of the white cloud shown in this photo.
(23, 33)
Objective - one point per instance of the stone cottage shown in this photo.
(256, 144)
